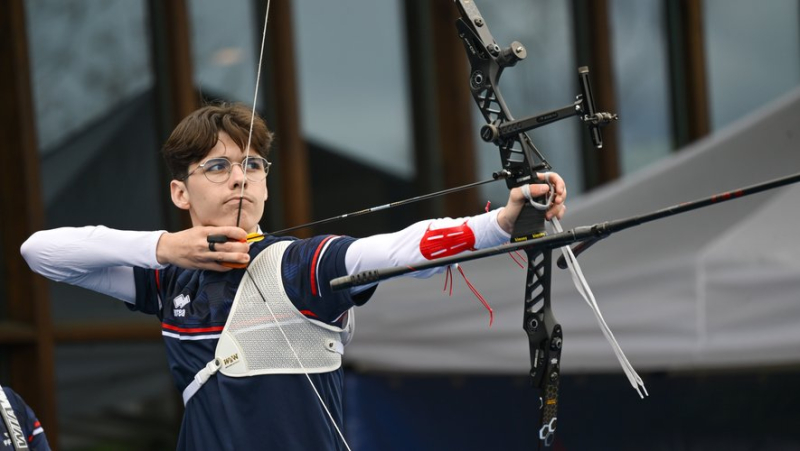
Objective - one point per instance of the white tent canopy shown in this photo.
(718, 287)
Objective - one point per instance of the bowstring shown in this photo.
(253, 112)
(238, 217)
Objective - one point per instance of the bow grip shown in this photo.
(530, 223)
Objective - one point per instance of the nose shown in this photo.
(237, 174)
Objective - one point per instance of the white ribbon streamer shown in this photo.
(583, 288)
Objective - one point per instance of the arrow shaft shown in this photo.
(596, 231)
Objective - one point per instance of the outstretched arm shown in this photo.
(102, 259)
(427, 240)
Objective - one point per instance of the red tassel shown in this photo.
(448, 276)
(478, 295)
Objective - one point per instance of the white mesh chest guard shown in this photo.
(252, 343)
(253, 340)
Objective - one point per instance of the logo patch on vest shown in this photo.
(179, 303)
(230, 360)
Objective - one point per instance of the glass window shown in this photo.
(353, 90)
(546, 80)
(753, 54)
(86, 58)
(93, 89)
(225, 46)
(641, 68)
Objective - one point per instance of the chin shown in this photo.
(248, 225)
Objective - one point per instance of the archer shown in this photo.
(219, 169)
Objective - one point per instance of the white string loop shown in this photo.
(526, 191)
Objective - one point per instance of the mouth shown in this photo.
(236, 200)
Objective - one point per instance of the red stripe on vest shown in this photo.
(308, 313)
(191, 330)
(314, 266)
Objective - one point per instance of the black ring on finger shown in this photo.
(211, 246)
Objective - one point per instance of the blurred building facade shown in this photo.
(360, 95)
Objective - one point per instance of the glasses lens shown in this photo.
(217, 169)
(257, 168)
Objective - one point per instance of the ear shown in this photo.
(180, 195)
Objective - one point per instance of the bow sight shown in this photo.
(487, 61)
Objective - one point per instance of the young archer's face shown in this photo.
(216, 203)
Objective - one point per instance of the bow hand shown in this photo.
(517, 199)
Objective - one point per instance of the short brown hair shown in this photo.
(198, 133)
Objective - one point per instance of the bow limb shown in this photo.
(521, 158)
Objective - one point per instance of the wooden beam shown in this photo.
(593, 45)
(453, 110)
(80, 332)
(422, 85)
(690, 109)
(16, 332)
(279, 78)
(175, 92)
(32, 367)
(172, 56)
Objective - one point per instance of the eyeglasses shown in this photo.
(218, 170)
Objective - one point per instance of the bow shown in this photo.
(521, 158)
(520, 163)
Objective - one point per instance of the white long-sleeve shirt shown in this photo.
(102, 259)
